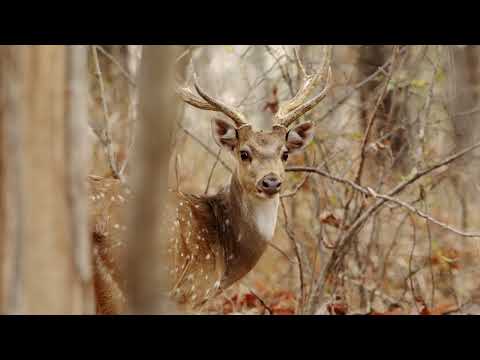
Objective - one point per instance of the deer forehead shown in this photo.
(263, 144)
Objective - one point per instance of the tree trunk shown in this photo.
(147, 243)
(45, 249)
(388, 123)
(465, 98)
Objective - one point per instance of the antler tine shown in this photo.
(186, 94)
(207, 102)
(231, 112)
(298, 105)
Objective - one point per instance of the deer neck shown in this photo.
(249, 223)
(257, 216)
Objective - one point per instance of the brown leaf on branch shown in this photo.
(272, 105)
(328, 218)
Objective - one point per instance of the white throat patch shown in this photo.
(265, 214)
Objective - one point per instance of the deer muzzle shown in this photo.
(269, 184)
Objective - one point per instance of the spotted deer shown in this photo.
(219, 238)
(215, 240)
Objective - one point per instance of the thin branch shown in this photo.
(284, 71)
(297, 254)
(410, 260)
(425, 216)
(282, 252)
(212, 171)
(106, 138)
(296, 189)
(372, 118)
(117, 63)
(380, 70)
(371, 193)
(203, 145)
(265, 306)
(345, 241)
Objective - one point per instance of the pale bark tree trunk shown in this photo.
(147, 280)
(465, 96)
(46, 266)
(465, 119)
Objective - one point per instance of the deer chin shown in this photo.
(262, 195)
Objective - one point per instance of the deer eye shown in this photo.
(244, 155)
(285, 156)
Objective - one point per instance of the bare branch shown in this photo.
(117, 63)
(372, 118)
(106, 137)
(371, 193)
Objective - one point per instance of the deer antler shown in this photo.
(298, 105)
(207, 102)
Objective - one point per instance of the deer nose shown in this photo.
(270, 184)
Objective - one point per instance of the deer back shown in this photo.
(107, 212)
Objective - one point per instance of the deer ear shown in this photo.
(225, 134)
(300, 136)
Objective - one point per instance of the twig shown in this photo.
(116, 62)
(345, 241)
(375, 291)
(246, 52)
(410, 259)
(372, 118)
(467, 113)
(356, 88)
(371, 193)
(177, 179)
(285, 74)
(297, 254)
(268, 308)
(202, 144)
(426, 216)
(129, 149)
(295, 190)
(282, 252)
(105, 138)
(257, 83)
(301, 183)
(430, 255)
(212, 171)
